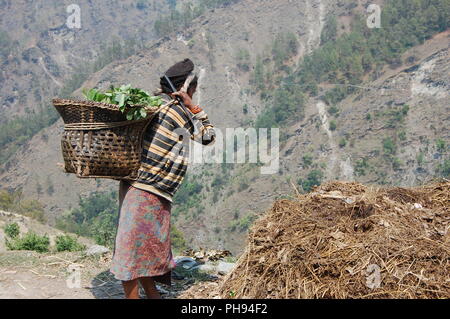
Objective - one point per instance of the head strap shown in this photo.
(188, 81)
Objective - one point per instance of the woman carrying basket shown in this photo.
(142, 251)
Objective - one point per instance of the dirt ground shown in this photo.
(27, 275)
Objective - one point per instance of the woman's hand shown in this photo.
(187, 100)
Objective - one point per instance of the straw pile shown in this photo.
(346, 240)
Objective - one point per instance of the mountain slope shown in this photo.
(216, 67)
(45, 50)
(392, 130)
(43, 55)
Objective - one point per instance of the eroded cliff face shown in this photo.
(354, 150)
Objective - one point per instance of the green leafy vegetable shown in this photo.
(131, 101)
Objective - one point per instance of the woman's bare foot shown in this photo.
(131, 289)
(150, 289)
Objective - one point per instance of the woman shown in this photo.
(142, 252)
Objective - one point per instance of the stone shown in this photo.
(96, 250)
(207, 267)
(186, 262)
(224, 267)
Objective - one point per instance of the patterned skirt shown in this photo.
(142, 246)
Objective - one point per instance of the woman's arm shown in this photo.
(201, 129)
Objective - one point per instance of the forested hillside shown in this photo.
(351, 102)
(42, 56)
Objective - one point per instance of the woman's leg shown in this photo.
(131, 289)
(123, 188)
(150, 289)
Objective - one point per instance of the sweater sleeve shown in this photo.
(197, 125)
(203, 131)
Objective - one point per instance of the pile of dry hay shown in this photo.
(331, 243)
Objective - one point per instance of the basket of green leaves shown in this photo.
(103, 135)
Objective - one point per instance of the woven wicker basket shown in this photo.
(98, 141)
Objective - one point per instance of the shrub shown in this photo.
(396, 163)
(141, 5)
(314, 178)
(104, 228)
(243, 59)
(342, 142)
(12, 230)
(190, 188)
(96, 217)
(307, 160)
(335, 95)
(245, 109)
(243, 185)
(6, 44)
(389, 146)
(440, 145)
(68, 243)
(333, 110)
(405, 109)
(242, 224)
(361, 166)
(329, 32)
(444, 169)
(30, 241)
(420, 158)
(284, 46)
(287, 104)
(333, 125)
(177, 239)
(218, 182)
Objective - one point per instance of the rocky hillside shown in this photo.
(41, 51)
(390, 130)
(222, 88)
(45, 53)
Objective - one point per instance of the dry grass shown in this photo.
(325, 243)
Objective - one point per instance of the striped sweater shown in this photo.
(164, 160)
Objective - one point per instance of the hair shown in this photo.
(192, 85)
(164, 90)
(178, 73)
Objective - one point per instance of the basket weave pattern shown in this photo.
(98, 141)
